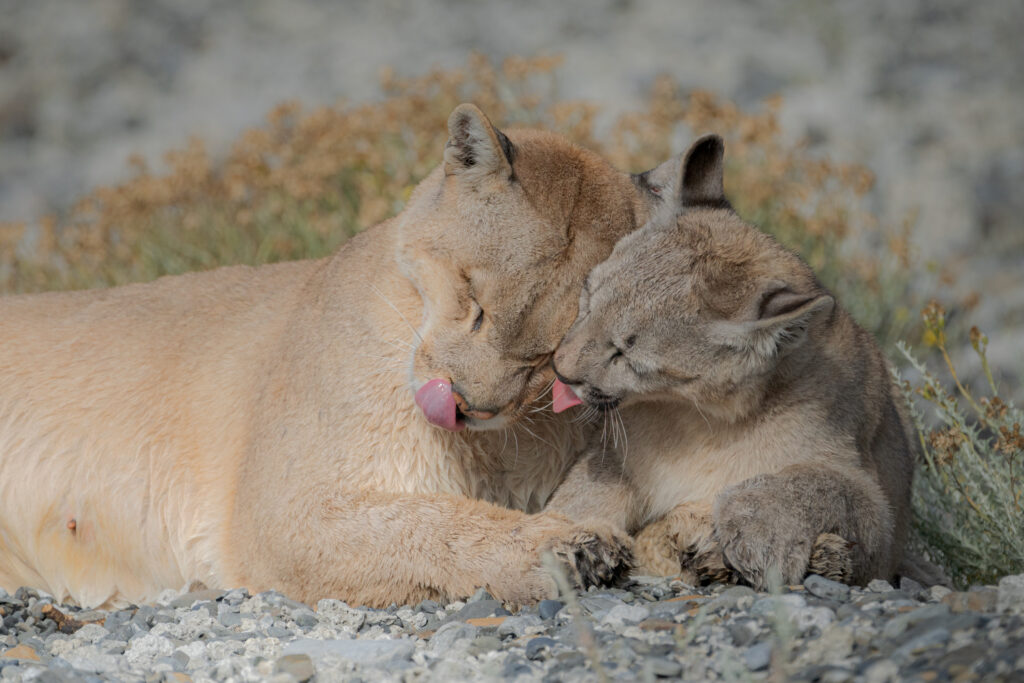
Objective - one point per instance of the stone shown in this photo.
(547, 609)
(898, 624)
(536, 648)
(662, 667)
(304, 618)
(1010, 598)
(449, 635)
(300, 666)
(480, 594)
(598, 605)
(21, 652)
(826, 588)
(428, 606)
(744, 632)
(771, 604)
(92, 633)
(733, 597)
(476, 610)
(910, 587)
(623, 614)
(807, 618)
(983, 600)
(882, 671)
(879, 586)
(484, 643)
(518, 626)
(145, 649)
(340, 615)
(185, 600)
(758, 657)
(373, 652)
(936, 593)
(932, 638)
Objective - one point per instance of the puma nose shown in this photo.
(466, 410)
(562, 378)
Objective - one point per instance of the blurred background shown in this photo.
(928, 95)
(883, 140)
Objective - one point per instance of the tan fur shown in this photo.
(745, 393)
(256, 426)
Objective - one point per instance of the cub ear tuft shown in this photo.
(701, 182)
(475, 147)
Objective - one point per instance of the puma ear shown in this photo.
(783, 315)
(476, 148)
(689, 180)
(701, 183)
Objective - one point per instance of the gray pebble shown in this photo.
(517, 626)
(1010, 599)
(357, 651)
(879, 586)
(758, 657)
(428, 606)
(662, 667)
(477, 610)
(446, 637)
(826, 588)
(536, 647)
(300, 666)
(549, 608)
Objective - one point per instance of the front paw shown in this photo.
(766, 545)
(594, 555)
(588, 554)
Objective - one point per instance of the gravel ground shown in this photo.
(652, 628)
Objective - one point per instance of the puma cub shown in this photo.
(761, 426)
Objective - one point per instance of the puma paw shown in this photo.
(594, 555)
(832, 558)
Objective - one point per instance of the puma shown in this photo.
(348, 427)
(760, 428)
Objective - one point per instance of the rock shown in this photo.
(935, 637)
(744, 632)
(879, 586)
(732, 597)
(771, 604)
(1010, 598)
(758, 657)
(187, 599)
(484, 643)
(662, 667)
(910, 587)
(22, 652)
(807, 618)
(826, 588)
(480, 594)
(549, 608)
(623, 614)
(304, 618)
(446, 637)
(92, 633)
(596, 606)
(476, 610)
(300, 666)
(518, 626)
(373, 652)
(340, 616)
(428, 606)
(537, 648)
(936, 593)
(882, 671)
(983, 600)
(145, 649)
(897, 625)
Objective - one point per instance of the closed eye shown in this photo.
(479, 319)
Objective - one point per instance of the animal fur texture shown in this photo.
(755, 423)
(256, 426)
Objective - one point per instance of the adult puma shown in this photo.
(257, 426)
(760, 420)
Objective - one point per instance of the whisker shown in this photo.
(395, 309)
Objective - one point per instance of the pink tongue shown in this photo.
(435, 400)
(564, 397)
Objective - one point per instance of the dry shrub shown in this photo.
(969, 489)
(305, 181)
